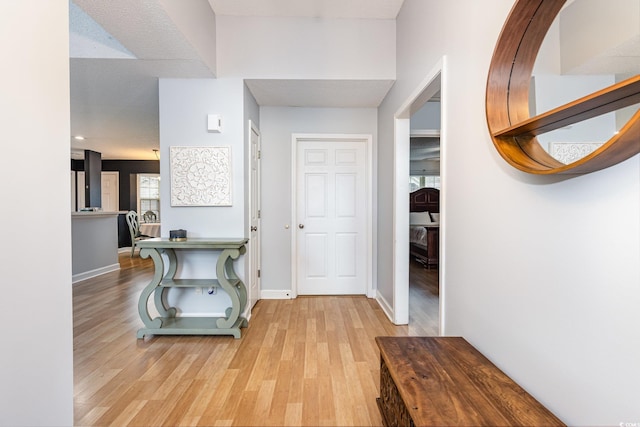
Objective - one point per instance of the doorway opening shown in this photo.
(424, 218)
(426, 100)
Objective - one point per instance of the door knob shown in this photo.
(300, 226)
(254, 228)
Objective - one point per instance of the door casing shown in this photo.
(254, 252)
(368, 141)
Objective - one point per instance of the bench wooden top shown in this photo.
(446, 381)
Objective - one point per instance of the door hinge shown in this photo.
(258, 273)
(259, 154)
(258, 213)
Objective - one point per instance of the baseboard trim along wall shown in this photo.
(93, 273)
(386, 307)
(275, 294)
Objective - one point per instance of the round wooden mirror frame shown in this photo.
(507, 100)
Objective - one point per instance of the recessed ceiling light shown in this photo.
(79, 137)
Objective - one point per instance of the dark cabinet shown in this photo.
(124, 237)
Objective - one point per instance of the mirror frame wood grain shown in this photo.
(507, 100)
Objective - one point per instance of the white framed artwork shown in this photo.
(569, 152)
(200, 176)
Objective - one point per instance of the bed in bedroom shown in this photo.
(424, 225)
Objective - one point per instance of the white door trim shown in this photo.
(253, 264)
(368, 140)
(433, 81)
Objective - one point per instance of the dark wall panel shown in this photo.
(93, 179)
(127, 170)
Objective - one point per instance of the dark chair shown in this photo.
(149, 216)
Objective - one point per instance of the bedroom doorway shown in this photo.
(429, 90)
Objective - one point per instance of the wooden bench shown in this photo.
(428, 381)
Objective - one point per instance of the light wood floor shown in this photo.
(424, 300)
(311, 361)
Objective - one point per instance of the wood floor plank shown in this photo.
(296, 382)
(263, 402)
(326, 411)
(189, 396)
(305, 362)
(246, 401)
(215, 405)
(259, 367)
(280, 395)
(90, 417)
(293, 414)
(275, 356)
(344, 405)
(310, 360)
(128, 413)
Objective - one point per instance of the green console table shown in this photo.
(167, 323)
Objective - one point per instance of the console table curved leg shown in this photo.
(160, 292)
(241, 289)
(242, 296)
(173, 263)
(159, 300)
(143, 310)
(224, 267)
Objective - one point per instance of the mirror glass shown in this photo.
(592, 44)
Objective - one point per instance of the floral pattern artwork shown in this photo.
(200, 176)
(569, 152)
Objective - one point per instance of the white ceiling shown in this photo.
(353, 9)
(120, 48)
(319, 93)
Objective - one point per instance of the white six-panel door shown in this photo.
(110, 191)
(255, 231)
(331, 228)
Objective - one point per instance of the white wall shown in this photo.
(36, 361)
(306, 48)
(427, 117)
(541, 273)
(184, 106)
(595, 28)
(277, 126)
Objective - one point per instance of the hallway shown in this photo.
(306, 361)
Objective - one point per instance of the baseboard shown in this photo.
(385, 306)
(277, 294)
(93, 273)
